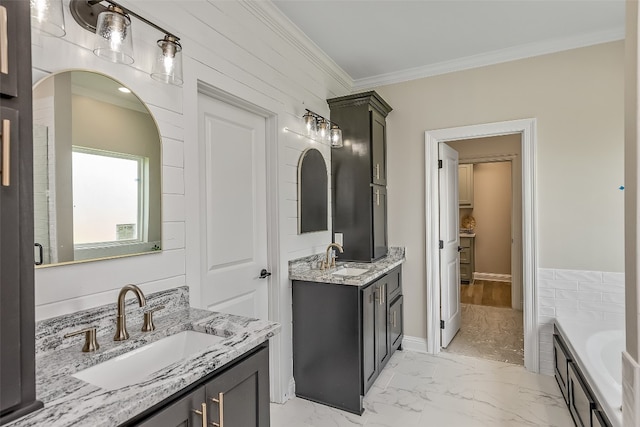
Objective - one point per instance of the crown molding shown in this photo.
(279, 23)
(491, 58)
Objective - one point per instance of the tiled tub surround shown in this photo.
(579, 295)
(597, 350)
(71, 402)
(308, 269)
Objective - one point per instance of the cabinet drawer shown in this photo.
(465, 242)
(561, 361)
(396, 322)
(465, 256)
(580, 402)
(394, 284)
(465, 272)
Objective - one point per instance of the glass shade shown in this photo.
(310, 123)
(47, 17)
(167, 67)
(336, 137)
(113, 40)
(323, 130)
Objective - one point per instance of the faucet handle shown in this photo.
(147, 325)
(90, 338)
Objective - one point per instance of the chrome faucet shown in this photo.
(330, 261)
(121, 320)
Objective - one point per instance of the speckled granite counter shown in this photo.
(71, 402)
(307, 269)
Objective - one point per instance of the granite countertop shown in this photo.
(71, 402)
(307, 269)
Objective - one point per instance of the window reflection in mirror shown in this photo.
(97, 170)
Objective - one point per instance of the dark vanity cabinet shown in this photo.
(359, 173)
(238, 395)
(17, 321)
(343, 336)
(584, 408)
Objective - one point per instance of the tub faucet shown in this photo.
(330, 261)
(121, 320)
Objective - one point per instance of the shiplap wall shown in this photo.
(247, 50)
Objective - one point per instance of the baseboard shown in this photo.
(415, 344)
(492, 276)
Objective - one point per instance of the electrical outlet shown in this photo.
(338, 239)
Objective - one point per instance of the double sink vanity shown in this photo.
(195, 366)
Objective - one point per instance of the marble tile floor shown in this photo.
(490, 333)
(447, 390)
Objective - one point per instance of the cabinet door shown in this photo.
(465, 185)
(378, 149)
(383, 349)
(561, 366)
(379, 232)
(10, 326)
(240, 395)
(181, 413)
(9, 38)
(369, 336)
(580, 403)
(396, 324)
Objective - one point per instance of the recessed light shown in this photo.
(124, 90)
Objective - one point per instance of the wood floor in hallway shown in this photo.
(486, 292)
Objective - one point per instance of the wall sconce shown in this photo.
(114, 42)
(47, 17)
(319, 129)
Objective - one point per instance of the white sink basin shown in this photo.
(350, 271)
(132, 367)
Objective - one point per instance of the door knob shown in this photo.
(460, 248)
(264, 274)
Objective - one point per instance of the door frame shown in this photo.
(527, 129)
(278, 388)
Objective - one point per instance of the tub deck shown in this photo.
(597, 349)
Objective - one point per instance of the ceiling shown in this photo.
(394, 40)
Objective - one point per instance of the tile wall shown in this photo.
(575, 294)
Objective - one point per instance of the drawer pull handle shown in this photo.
(4, 42)
(6, 153)
(378, 197)
(220, 402)
(202, 413)
(377, 170)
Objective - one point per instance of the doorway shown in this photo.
(491, 324)
(525, 128)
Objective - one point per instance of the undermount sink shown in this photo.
(133, 366)
(350, 271)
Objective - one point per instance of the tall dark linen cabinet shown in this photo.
(359, 175)
(17, 343)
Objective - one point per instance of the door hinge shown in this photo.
(442, 324)
(441, 244)
(439, 164)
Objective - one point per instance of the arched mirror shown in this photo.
(97, 170)
(313, 193)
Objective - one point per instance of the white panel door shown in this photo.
(234, 244)
(450, 238)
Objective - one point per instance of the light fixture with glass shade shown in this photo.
(319, 129)
(114, 41)
(336, 136)
(167, 67)
(47, 17)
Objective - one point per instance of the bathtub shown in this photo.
(597, 348)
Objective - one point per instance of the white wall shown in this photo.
(240, 48)
(577, 98)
